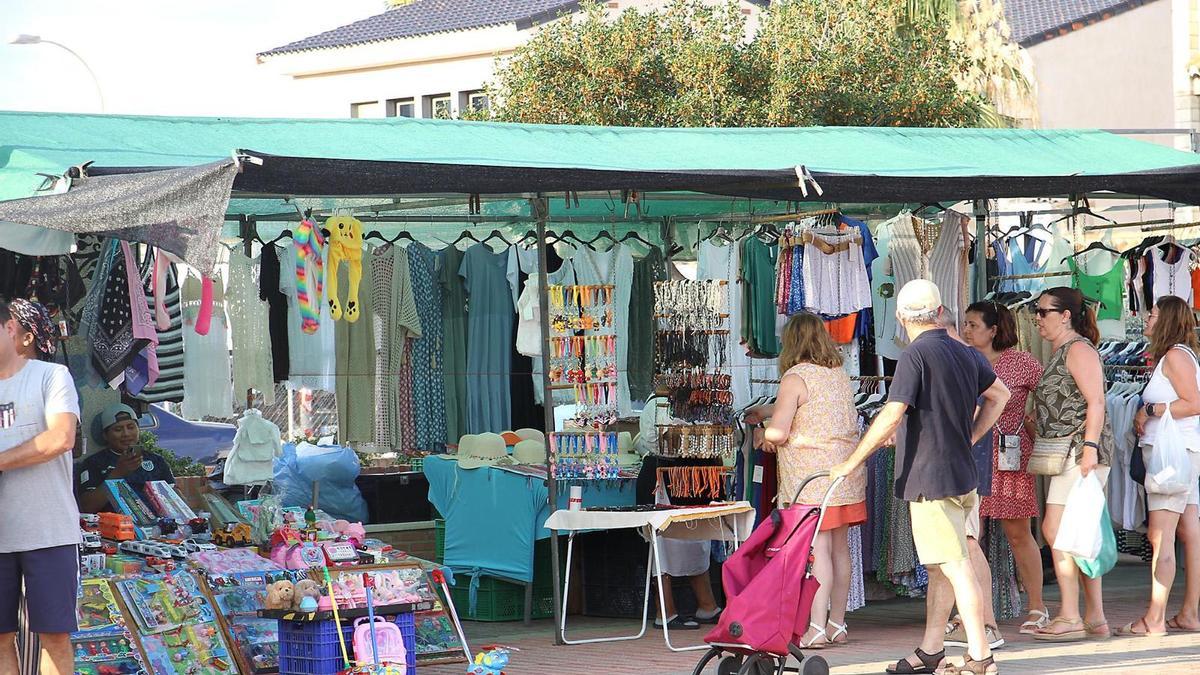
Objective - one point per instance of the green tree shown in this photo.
(836, 62)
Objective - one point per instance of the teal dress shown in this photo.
(454, 328)
(490, 316)
(758, 297)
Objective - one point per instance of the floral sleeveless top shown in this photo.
(1059, 407)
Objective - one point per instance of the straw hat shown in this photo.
(529, 452)
(510, 438)
(531, 435)
(625, 452)
(479, 450)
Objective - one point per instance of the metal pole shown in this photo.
(541, 211)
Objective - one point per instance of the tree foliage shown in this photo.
(694, 63)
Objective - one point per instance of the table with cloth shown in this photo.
(494, 516)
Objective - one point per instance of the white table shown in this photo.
(726, 522)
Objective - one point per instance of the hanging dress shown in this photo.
(354, 360)
(249, 321)
(454, 325)
(933, 252)
(490, 316)
(758, 325)
(721, 261)
(207, 377)
(169, 385)
(311, 354)
(269, 291)
(428, 385)
(646, 271)
(612, 267)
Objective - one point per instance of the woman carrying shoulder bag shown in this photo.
(1174, 386)
(1069, 420)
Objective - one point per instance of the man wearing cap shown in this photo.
(39, 524)
(117, 427)
(931, 410)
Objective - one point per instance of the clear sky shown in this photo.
(159, 57)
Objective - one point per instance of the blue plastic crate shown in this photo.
(408, 629)
(309, 648)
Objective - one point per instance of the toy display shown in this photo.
(125, 499)
(397, 586)
(231, 535)
(196, 649)
(221, 512)
(232, 561)
(280, 595)
(238, 597)
(166, 502)
(161, 603)
(435, 636)
(103, 644)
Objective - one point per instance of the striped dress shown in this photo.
(918, 252)
(169, 385)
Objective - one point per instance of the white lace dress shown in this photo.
(248, 316)
(207, 381)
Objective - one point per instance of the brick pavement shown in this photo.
(881, 633)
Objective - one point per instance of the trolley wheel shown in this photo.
(730, 665)
(815, 665)
(709, 655)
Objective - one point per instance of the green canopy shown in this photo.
(407, 156)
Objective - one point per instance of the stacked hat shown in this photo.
(476, 450)
(529, 452)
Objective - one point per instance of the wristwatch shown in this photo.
(1150, 410)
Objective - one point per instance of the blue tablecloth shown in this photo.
(493, 517)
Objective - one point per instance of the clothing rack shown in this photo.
(1036, 275)
(853, 378)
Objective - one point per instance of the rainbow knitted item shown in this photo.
(310, 274)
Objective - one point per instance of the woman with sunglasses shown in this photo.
(1069, 402)
(991, 328)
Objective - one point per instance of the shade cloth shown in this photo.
(180, 210)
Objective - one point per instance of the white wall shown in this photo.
(1113, 74)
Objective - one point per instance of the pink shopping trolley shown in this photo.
(769, 590)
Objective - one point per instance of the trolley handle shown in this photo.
(828, 493)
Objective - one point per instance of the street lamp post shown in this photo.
(25, 39)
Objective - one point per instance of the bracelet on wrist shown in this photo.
(1092, 444)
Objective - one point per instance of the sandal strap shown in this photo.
(930, 660)
(841, 629)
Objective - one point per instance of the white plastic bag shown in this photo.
(1079, 532)
(1168, 469)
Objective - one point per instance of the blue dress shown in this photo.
(429, 392)
(490, 316)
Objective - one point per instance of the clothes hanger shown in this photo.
(374, 234)
(466, 234)
(1085, 210)
(495, 234)
(286, 234)
(602, 235)
(634, 235)
(1094, 246)
(404, 234)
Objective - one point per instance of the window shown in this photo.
(437, 106)
(366, 109)
(477, 101)
(401, 107)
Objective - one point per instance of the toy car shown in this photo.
(117, 527)
(193, 546)
(91, 542)
(234, 534)
(89, 521)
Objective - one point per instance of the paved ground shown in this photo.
(880, 633)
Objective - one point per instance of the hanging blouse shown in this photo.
(1108, 288)
(311, 362)
(249, 323)
(931, 251)
(207, 377)
(1172, 278)
(835, 283)
(277, 313)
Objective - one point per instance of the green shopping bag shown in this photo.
(1101, 564)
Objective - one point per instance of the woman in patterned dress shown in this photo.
(814, 426)
(991, 328)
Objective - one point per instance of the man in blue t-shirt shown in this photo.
(931, 411)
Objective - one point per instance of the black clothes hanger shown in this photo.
(602, 235)
(1094, 246)
(286, 234)
(466, 234)
(565, 236)
(404, 234)
(528, 236)
(374, 234)
(634, 235)
(495, 234)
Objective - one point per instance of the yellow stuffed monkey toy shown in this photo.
(345, 245)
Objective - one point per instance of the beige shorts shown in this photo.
(1062, 484)
(940, 527)
(1175, 503)
(974, 526)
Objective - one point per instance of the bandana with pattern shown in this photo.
(34, 318)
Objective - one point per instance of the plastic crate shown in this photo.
(439, 540)
(498, 600)
(309, 648)
(617, 602)
(408, 628)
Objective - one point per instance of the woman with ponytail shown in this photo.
(1069, 403)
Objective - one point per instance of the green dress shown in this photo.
(758, 297)
(454, 326)
(354, 348)
(646, 271)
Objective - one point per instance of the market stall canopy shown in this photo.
(408, 156)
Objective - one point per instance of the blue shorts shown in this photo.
(51, 583)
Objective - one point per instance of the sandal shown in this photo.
(819, 635)
(1094, 632)
(839, 632)
(677, 623)
(712, 620)
(929, 664)
(1031, 627)
(1128, 631)
(1047, 635)
(1173, 624)
(970, 665)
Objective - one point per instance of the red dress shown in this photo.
(1013, 491)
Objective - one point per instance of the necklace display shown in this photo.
(691, 361)
(583, 353)
(585, 455)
